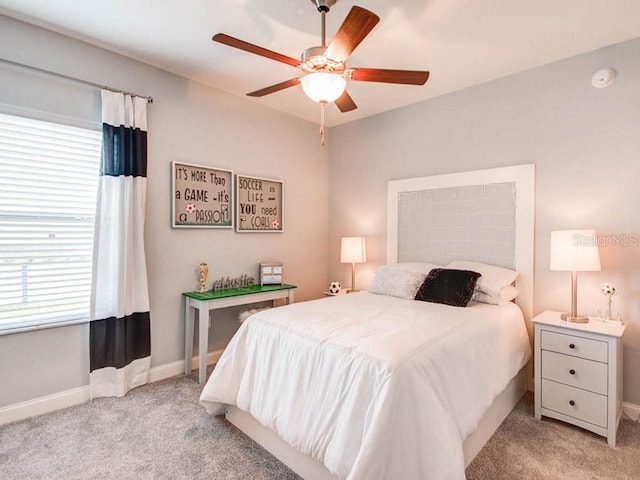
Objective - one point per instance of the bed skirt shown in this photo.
(310, 469)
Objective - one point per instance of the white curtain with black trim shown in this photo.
(120, 328)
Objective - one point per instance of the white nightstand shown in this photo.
(578, 373)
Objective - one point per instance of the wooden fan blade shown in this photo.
(345, 103)
(275, 88)
(406, 77)
(354, 29)
(251, 48)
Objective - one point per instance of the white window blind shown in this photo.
(48, 184)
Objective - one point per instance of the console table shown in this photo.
(214, 299)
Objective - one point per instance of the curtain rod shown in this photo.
(73, 79)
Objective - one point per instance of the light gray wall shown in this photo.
(187, 122)
(585, 143)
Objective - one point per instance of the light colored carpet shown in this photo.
(160, 431)
(525, 448)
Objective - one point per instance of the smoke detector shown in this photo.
(603, 77)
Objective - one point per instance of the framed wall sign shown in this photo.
(259, 204)
(202, 197)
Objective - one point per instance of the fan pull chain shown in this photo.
(322, 105)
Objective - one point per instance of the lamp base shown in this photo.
(574, 319)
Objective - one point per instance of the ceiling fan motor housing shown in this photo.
(310, 53)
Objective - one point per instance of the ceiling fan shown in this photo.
(324, 68)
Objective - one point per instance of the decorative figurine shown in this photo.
(203, 269)
(609, 290)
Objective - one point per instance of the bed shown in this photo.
(374, 385)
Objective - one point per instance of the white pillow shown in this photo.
(493, 278)
(506, 295)
(396, 282)
(415, 266)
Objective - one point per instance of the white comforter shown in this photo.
(372, 386)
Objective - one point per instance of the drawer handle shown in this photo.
(572, 403)
(572, 346)
(572, 371)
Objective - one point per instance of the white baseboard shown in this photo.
(46, 404)
(212, 357)
(631, 410)
(79, 395)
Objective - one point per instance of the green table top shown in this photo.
(235, 292)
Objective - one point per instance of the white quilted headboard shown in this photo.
(482, 215)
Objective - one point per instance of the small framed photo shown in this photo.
(259, 204)
(201, 197)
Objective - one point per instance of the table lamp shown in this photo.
(574, 251)
(353, 251)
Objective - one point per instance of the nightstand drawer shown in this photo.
(587, 406)
(576, 346)
(574, 371)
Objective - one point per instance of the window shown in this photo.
(48, 185)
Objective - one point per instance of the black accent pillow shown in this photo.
(448, 286)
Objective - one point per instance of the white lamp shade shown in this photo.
(323, 87)
(574, 251)
(353, 250)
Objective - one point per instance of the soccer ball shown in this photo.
(608, 289)
(334, 288)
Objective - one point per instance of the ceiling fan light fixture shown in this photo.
(323, 87)
(324, 67)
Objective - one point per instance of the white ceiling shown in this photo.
(461, 42)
